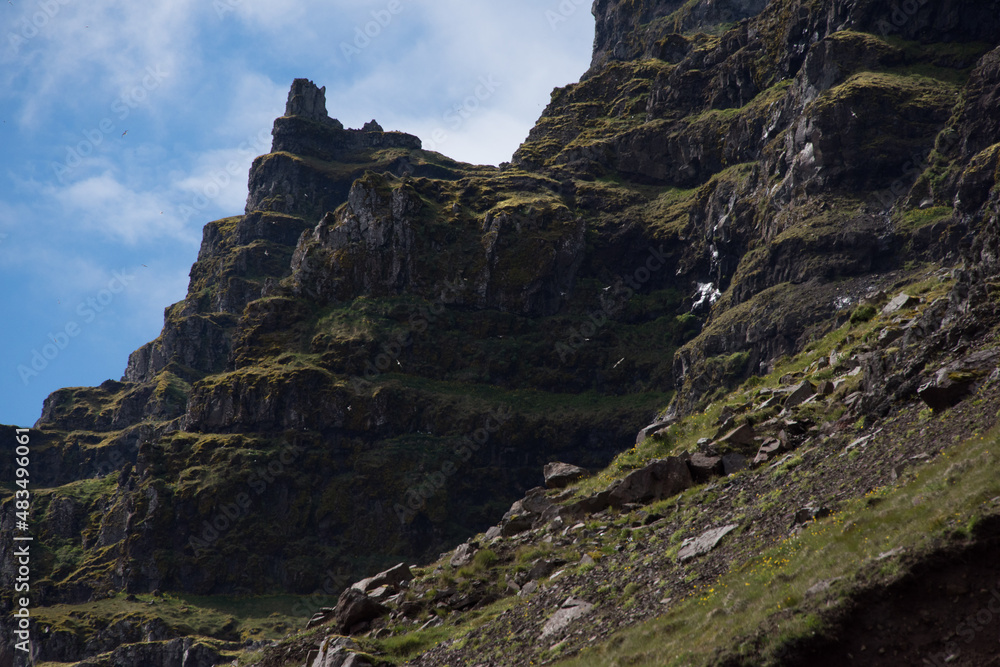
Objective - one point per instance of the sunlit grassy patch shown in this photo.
(763, 603)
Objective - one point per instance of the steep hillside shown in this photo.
(760, 235)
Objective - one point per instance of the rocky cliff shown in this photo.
(382, 352)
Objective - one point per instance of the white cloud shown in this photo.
(217, 182)
(154, 287)
(106, 206)
(97, 50)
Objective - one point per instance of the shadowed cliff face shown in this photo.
(628, 30)
(378, 356)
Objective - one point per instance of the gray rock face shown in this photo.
(800, 393)
(175, 653)
(596, 503)
(733, 463)
(741, 436)
(336, 652)
(530, 512)
(307, 100)
(542, 291)
(704, 467)
(901, 302)
(560, 475)
(392, 578)
(355, 608)
(955, 381)
(463, 555)
(571, 610)
(618, 36)
(366, 248)
(704, 543)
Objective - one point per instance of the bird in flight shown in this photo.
(124, 133)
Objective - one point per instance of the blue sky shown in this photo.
(127, 126)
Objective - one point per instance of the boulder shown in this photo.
(821, 586)
(890, 336)
(463, 554)
(596, 503)
(660, 479)
(902, 302)
(724, 428)
(773, 401)
(324, 615)
(571, 610)
(807, 514)
(740, 436)
(704, 467)
(954, 382)
(767, 451)
(704, 543)
(802, 392)
(543, 568)
(534, 510)
(733, 463)
(943, 395)
(354, 608)
(560, 475)
(652, 428)
(335, 652)
(825, 388)
(392, 578)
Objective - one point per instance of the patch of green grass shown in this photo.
(917, 218)
(922, 515)
(222, 617)
(863, 313)
(404, 647)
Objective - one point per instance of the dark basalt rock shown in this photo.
(702, 203)
(355, 608)
(559, 475)
(659, 479)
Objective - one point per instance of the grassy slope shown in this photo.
(746, 602)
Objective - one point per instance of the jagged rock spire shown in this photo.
(306, 99)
